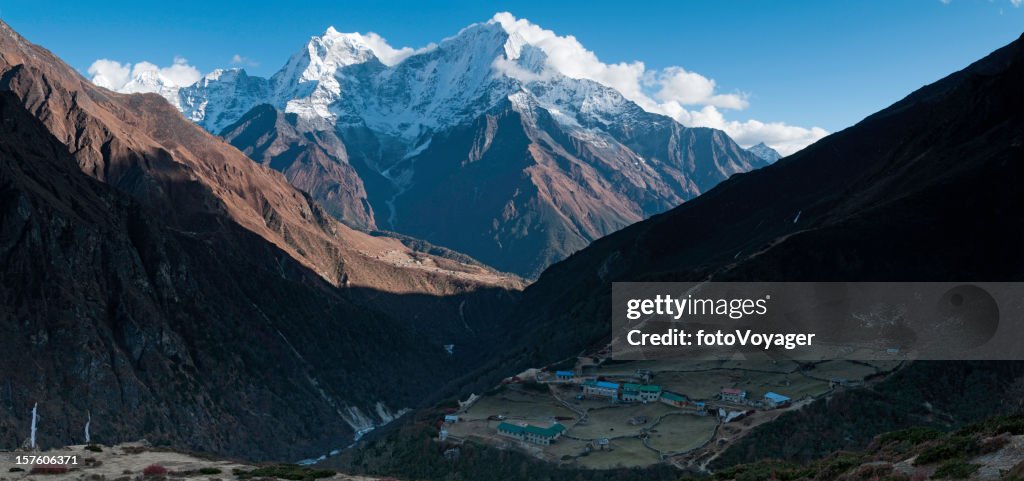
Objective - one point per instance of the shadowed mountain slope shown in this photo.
(159, 279)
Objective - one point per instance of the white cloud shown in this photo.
(1016, 3)
(786, 139)
(689, 97)
(947, 2)
(387, 54)
(690, 88)
(380, 47)
(238, 59)
(119, 77)
(180, 73)
(110, 74)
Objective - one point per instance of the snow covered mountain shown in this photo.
(474, 143)
(766, 153)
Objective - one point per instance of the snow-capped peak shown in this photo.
(765, 152)
(339, 80)
(323, 55)
(151, 80)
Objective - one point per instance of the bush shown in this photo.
(955, 447)
(286, 471)
(956, 469)
(832, 468)
(154, 470)
(209, 470)
(49, 469)
(915, 435)
(1012, 425)
(94, 448)
(16, 470)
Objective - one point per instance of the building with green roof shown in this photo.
(531, 433)
(640, 392)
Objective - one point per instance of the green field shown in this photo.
(516, 404)
(795, 386)
(681, 432)
(613, 422)
(565, 447)
(625, 453)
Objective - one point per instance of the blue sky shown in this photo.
(820, 63)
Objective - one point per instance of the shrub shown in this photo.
(993, 444)
(154, 470)
(1012, 424)
(49, 469)
(955, 447)
(915, 435)
(832, 468)
(94, 448)
(286, 471)
(956, 469)
(16, 470)
(209, 470)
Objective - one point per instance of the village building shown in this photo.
(674, 400)
(530, 433)
(650, 393)
(630, 392)
(564, 376)
(775, 400)
(451, 418)
(733, 395)
(601, 389)
(640, 393)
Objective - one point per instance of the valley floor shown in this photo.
(602, 433)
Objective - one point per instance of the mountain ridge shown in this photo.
(379, 122)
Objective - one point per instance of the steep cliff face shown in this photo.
(536, 163)
(160, 280)
(315, 162)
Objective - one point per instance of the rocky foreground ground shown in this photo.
(138, 461)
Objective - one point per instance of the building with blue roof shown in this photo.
(564, 375)
(601, 389)
(775, 400)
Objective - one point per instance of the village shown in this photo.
(601, 414)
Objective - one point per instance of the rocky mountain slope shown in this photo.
(157, 278)
(927, 189)
(473, 144)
